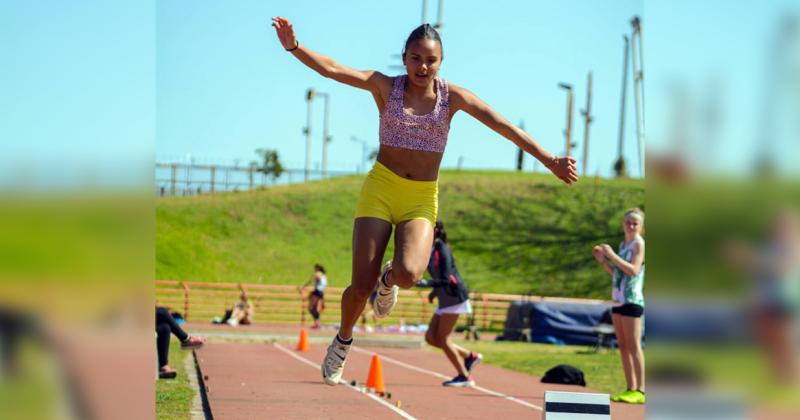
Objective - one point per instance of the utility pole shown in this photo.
(326, 138)
(439, 21)
(587, 115)
(439, 12)
(568, 130)
(619, 166)
(363, 151)
(309, 98)
(778, 73)
(638, 86)
(438, 26)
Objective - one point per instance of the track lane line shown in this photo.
(441, 376)
(343, 381)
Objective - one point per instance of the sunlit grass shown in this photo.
(510, 232)
(174, 396)
(602, 370)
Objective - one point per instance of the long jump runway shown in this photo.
(259, 381)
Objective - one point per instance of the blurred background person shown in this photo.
(774, 306)
(316, 299)
(451, 291)
(242, 312)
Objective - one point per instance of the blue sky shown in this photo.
(73, 80)
(76, 89)
(226, 87)
(721, 57)
(107, 83)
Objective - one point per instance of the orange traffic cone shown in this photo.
(302, 345)
(375, 378)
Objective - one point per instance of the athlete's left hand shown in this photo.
(563, 168)
(608, 250)
(285, 32)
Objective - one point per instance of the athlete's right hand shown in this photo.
(285, 32)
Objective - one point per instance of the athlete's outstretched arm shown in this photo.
(364, 79)
(463, 99)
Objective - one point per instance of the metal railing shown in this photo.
(180, 179)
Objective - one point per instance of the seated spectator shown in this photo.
(166, 325)
(241, 313)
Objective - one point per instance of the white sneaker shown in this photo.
(333, 365)
(387, 296)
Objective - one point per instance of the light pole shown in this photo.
(363, 151)
(439, 21)
(638, 86)
(587, 115)
(439, 11)
(619, 166)
(568, 131)
(309, 98)
(325, 137)
(438, 25)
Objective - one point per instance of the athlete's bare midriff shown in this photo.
(415, 165)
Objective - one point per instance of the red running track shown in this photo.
(258, 381)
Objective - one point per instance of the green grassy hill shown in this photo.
(510, 232)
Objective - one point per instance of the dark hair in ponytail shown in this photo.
(439, 231)
(424, 31)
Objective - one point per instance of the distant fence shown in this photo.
(180, 179)
(282, 304)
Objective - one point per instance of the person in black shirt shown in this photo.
(450, 290)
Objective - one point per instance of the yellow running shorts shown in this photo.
(388, 196)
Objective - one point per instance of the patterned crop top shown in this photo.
(399, 128)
